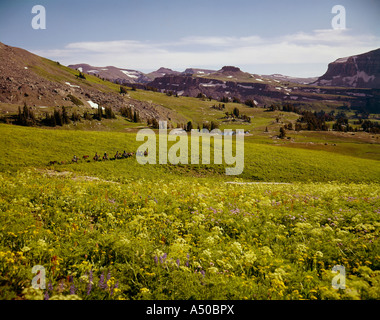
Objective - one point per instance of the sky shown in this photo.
(290, 37)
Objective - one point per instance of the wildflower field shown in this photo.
(175, 235)
(188, 240)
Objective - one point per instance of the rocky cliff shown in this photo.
(360, 71)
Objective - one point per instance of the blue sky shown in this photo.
(291, 37)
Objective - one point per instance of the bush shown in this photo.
(250, 103)
(75, 100)
(123, 89)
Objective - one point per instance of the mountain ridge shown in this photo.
(358, 71)
(43, 82)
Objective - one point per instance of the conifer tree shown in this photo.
(65, 116)
(236, 112)
(189, 126)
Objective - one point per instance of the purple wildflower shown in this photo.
(235, 211)
(155, 260)
(163, 257)
(213, 209)
(89, 283)
(46, 296)
(73, 289)
(101, 281)
(177, 261)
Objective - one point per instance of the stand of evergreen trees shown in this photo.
(129, 113)
(220, 106)
(60, 116)
(317, 120)
(26, 117)
(235, 114)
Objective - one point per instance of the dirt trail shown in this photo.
(233, 182)
(73, 176)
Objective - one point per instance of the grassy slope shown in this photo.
(35, 147)
(358, 145)
(59, 73)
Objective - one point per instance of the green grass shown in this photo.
(194, 109)
(35, 147)
(171, 232)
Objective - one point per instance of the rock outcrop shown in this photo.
(360, 71)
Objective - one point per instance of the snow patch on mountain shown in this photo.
(94, 105)
(131, 74)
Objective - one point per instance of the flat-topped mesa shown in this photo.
(230, 69)
(359, 71)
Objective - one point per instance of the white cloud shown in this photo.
(220, 41)
(319, 47)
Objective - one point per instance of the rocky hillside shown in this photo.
(114, 74)
(360, 71)
(40, 83)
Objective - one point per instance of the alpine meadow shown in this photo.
(93, 206)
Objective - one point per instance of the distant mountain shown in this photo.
(198, 72)
(233, 84)
(161, 72)
(360, 71)
(299, 80)
(231, 72)
(114, 74)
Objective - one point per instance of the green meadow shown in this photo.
(35, 147)
(121, 230)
